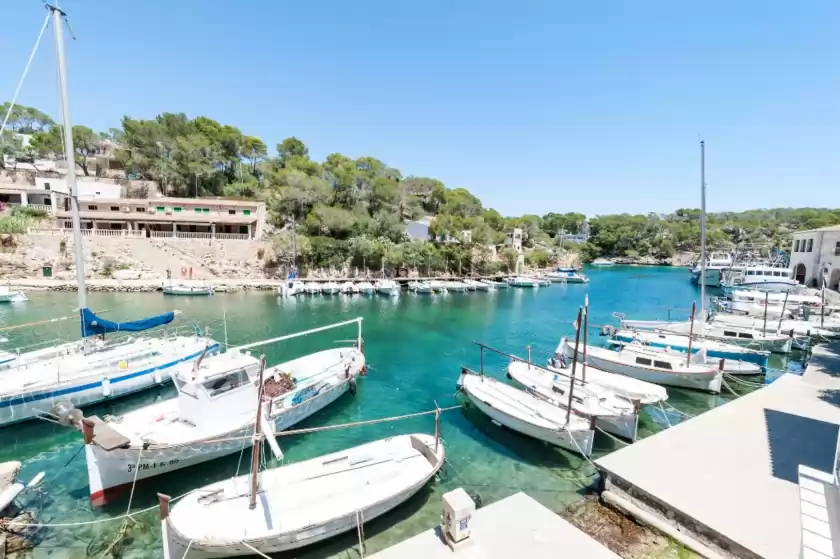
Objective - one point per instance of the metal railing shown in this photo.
(192, 235)
(44, 207)
(136, 234)
(232, 236)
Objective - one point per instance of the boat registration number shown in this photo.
(151, 466)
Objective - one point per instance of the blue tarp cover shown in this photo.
(92, 324)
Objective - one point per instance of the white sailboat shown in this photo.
(330, 288)
(649, 365)
(212, 414)
(291, 288)
(349, 288)
(300, 504)
(528, 414)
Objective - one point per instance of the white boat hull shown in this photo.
(13, 297)
(110, 472)
(86, 390)
(371, 495)
(708, 382)
(187, 290)
(574, 440)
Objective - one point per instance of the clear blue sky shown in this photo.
(535, 106)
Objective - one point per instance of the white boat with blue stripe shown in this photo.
(93, 370)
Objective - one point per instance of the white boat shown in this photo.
(387, 287)
(186, 287)
(330, 288)
(301, 503)
(613, 413)
(213, 413)
(420, 287)
(680, 342)
(762, 277)
(545, 282)
(567, 277)
(520, 281)
(437, 286)
(649, 365)
(602, 262)
(739, 363)
(474, 285)
(291, 288)
(715, 265)
(366, 288)
(528, 414)
(496, 284)
(456, 286)
(313, 288)
(94, 371)
(349, 288)
(8, 295)
(785, 326)
(630, 388)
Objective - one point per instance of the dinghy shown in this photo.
(183, 287)
(213, 413)
(301, 503)
(95, 370)
(613, 413)
(313, 288)
(528, 414)
(640, 362)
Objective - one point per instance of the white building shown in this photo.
(815, 253)
(514, 239)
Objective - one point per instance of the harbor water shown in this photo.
(415, 346)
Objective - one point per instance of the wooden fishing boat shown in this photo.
(528, 414)
(302, 503)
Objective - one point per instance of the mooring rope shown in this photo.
(729, 388)
(360, 519)
(682, 413)
(741, 381)
(664, 414)
(255, 550)
(613, 437)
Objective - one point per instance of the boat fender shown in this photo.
(106, 386)
(363, 371)
(353, 387)
(158, 376)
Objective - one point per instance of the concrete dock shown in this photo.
(729, 477)
(517, 526)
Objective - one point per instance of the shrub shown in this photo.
(14, 224)
(28, 211)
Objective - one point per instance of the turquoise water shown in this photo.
(415, 345)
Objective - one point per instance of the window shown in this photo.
(777, 274)
(643, 361)
(246, 212)
(745, 335)
(750, 272)
(91, 207)
(662, 365)
(140, 209)
(46, 186)
(810, 245)
(730, 333)
(836, 249)
(230, 381)
(176, 210)
(115, 208)
(116, 226)
(796, 245)
(232, 212)
(206, 210)
(160, 209)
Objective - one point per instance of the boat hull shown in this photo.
(110, 472)
(344, 519)
(576, 441)
(705, 382)
(87, 391)
(734, 353)
(13, 297)
(188, 291)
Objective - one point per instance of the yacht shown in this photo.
(715, 265)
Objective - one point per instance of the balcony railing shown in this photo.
(62, 232)
(45, 207)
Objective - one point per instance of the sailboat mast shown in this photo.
(69, 158)
(702, 231)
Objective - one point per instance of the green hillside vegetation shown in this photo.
(351, 211)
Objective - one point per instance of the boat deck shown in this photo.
(517, 526)
(729, 476)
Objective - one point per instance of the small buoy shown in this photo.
(158, 376)
(106, 386)
(353, 386)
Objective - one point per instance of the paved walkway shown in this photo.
(517, 526)
(729, 476)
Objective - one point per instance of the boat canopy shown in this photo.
(92, 324)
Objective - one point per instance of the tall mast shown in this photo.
(68, 154)
(702, 232)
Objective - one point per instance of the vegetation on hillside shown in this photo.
(351, 211)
